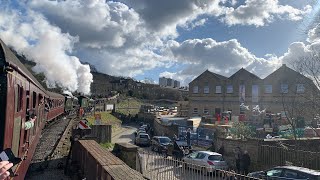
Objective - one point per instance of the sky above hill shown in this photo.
(151, 38)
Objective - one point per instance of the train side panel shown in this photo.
(22, 100)
(56, 104)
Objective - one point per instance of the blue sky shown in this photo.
(148, 38)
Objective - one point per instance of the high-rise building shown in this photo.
(168, 82)
(176, 84)
(162, 82)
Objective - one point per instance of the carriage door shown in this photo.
(25, 143)
(18, 94)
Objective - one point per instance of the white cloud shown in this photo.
(195, 24)
(314, 34)
(262, 12)
(224, 58)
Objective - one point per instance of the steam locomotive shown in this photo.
(21, 96)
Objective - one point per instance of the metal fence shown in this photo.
(199, 136)
(270, 156)
(155, 166)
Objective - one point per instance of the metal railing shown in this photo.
(155, 166)
(270, 156)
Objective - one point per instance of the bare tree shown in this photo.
(300, 104)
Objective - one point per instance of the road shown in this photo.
(125, 135)
(155, 166)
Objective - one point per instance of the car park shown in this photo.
(160, 143)
(287, 173)
(205, 161)
(142, 139)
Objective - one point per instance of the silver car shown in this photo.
(206, 161)
(142, 139)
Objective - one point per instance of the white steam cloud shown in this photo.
(30, 34)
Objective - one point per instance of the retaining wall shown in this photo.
(98, 163)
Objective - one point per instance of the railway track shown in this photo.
(53, 146)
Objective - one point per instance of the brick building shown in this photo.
(284, 90)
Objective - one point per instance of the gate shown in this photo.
(155, 166)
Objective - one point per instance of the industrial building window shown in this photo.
(268, 89)
(284, 88)
(195, 110)
(300, 88)
(229, 89)
(195, 89)
(206, 88)
(205, 111)
(218, 90)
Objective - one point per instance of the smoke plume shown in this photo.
(30, 34)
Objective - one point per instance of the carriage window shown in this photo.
(18, 98)
(40, 99)
(28, 101)
(34, 99)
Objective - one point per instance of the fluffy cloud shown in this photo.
(261, 12)
(112, 36)
(165, 16)
(221, 57)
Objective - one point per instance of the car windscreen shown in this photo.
(164, 140)
(144, 136)
(215, 158)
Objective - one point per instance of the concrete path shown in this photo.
(124, 135)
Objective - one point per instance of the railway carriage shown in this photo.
(21, 95)
(56, 104)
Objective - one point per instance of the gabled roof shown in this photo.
(285, 70)
(211, 73)
(244, 71)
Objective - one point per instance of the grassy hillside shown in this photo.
(106, 118)
(128, 105)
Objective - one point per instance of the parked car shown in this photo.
(142, 139)
(287, 172)
(145, 127)
(205, 161)
(178, 149)
(160, 143)
(139, 131)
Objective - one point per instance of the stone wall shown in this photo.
(229, 145)
(147, 117)
(162, 130)
(127, 153)
(96, 162)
